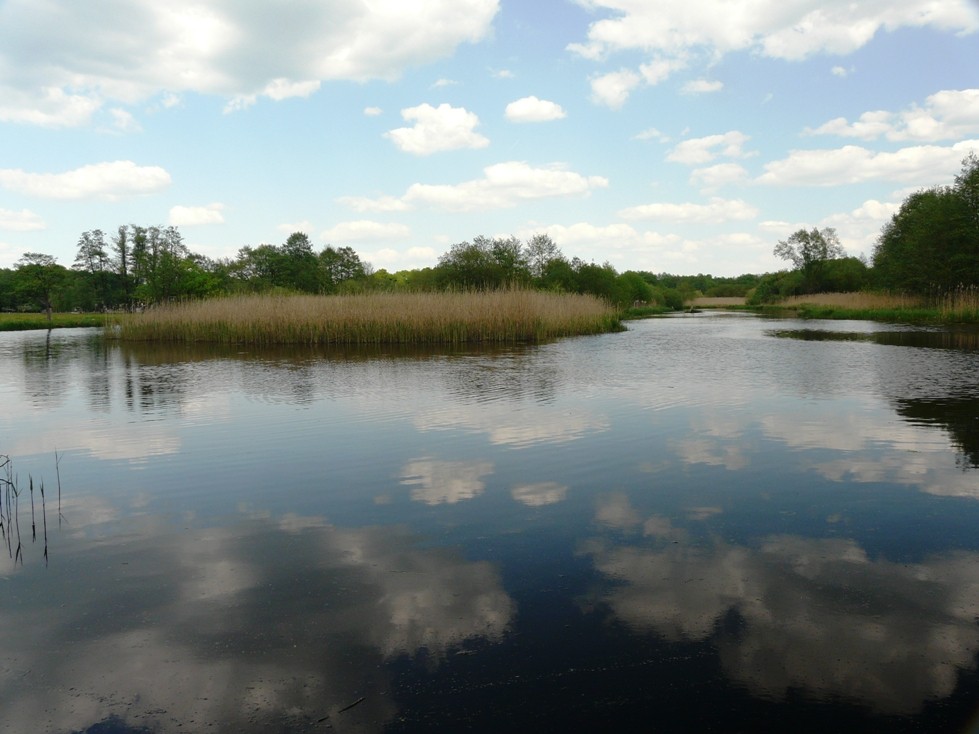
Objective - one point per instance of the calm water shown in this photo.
(708, 523)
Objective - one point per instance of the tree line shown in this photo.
(931, 245)
(139, 266)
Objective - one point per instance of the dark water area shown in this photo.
(715, 522)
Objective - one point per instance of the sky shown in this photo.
(681, 137)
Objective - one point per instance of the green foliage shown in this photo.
(773, 287)
(38, 278)
(810, 251)
(932, 243)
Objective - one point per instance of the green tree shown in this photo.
(299, 264)
(928, 245)
(631, 288)
(540, 252)
(809, 250)
(93, 261)
(468, 265)
(338, 266)
(38, 278)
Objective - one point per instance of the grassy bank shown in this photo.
(375, 318)
(959, 306)
(26, 321)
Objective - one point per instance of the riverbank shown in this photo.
(29, 321)
(956, 307)
(375, 318)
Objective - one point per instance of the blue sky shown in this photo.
(682, 137)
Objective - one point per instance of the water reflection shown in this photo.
(690, 520)
(269, 622)
(441, 482)
(794, 613)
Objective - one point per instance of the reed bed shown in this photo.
(374, 318)
(959, 305)
(859, 300)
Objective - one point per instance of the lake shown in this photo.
(710, 522)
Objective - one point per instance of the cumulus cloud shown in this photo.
(945, 115)
(189, 216)
(532, 109)
(702, 86)
(703, 150)
(364, 229)
(22, 221)
(651, 133)
(213, 48)
(99, 180)
(785, 31)
(381, 204)
(503, 185)
(715, 210)
(922, 165)
(437, 129)
(712, 178)
(614, 88)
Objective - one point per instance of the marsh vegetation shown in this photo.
(505, 316)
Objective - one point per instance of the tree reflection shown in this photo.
(958, 416)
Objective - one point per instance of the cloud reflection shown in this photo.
(813, 614)
(445, 482)
(272, 625)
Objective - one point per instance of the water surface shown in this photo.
(714, 522)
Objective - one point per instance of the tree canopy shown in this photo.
(932, 243)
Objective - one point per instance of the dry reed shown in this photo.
(859, 300)
(956, 305)
(375, 318)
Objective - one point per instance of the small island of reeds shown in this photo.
(374, 318)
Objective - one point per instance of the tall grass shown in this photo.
(959, 305)
(374, 318)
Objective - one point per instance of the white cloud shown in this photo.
(841, 71)
(923, 165)
(99, 180)
(702, 86)
(60, 60)
(502, 74)
(716, 210)
(614, 88)
(381, 204)
(946, 115)
(364, 229)
(712, 178)
(189, 216)
(795, 30)
(532, 109)
(440, 83)
(123, 121)
(46, 107)
(22, 221)
(437, 129)
(505, 185)
(706, 149)
(372, 111)
(651, 133)
(305, 226)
